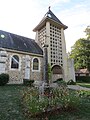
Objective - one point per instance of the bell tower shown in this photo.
(50, 31)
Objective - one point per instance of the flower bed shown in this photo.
(58, 99)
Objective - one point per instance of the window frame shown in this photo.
(38, 65)
(19, 64)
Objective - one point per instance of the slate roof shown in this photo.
(19, 43)
(49, 16)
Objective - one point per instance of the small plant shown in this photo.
(61, 82)
(49, 71)
(4, 78)
(71, 82)
(28, 82)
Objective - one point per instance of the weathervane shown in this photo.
(49, 7)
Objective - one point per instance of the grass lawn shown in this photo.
(10, 106)
(81, 113)
(84, 84)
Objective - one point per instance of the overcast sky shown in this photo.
(21, 16)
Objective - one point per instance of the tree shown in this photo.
(87, 31)
(81, 54)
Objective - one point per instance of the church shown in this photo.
(24, 58)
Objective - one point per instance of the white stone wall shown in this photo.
(41, 36)
(3, 59)
(56, 76)
(71, 71)
(65, 67)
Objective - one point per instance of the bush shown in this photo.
(83, 79)
(58, 80)
(4, 78)
(28, 82)
(71, 82)
(62, 83)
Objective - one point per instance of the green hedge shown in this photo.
(4, 78)
(28, 82)
(83, 79)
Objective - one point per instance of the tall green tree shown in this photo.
(81, 54)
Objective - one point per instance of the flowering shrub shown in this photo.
(37, 103)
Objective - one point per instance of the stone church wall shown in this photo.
(17, 75)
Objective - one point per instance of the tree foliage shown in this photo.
(87, 31)
(81, 51)
(81, 54)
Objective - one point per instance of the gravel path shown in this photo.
(77, 87)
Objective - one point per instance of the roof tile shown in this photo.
(19, 43)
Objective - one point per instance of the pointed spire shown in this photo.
(49, 16)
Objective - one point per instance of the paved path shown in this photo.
(77, 87)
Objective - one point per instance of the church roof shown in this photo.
(82, 71)
(51, 17)
(19, 43)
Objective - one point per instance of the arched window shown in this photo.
(35, 64)
(15, 62)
